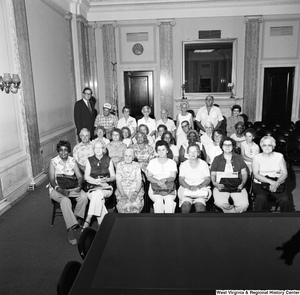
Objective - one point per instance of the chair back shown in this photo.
(68, 277)
(85, 241)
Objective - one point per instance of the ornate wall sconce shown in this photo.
(10, 84)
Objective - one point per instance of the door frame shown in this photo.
(296, 95)
(121, 87)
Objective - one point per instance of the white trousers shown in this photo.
(162, 204)
(97, 202)
(240, 200)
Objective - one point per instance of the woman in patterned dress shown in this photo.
(129, 192)
(142, 150)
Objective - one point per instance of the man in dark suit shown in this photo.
(84, 112)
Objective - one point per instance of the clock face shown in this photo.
(137, 49)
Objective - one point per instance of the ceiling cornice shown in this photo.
(153, 9)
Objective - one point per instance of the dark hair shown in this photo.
(250, 130)
(87, 88)
(195, 132)
(144, 136)
(226, 138)
(126, 128)
(185, 121)
(64, 143)
(118, 131)
(100, 127)
(236, 106)
(172, 141)
(161, 143)
(126, 107)
(220, 131)
(163, 126)
(239, 123)
(144, 125)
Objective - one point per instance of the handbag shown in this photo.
(266, 186)
(230, 184)
(170, 190)
(66, 181)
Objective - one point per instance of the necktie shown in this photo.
(89, 105)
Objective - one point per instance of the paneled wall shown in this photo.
(49, 35)
(15, 167)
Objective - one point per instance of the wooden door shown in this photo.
(139, 91)
(278, 94)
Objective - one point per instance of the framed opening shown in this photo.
(208, 65)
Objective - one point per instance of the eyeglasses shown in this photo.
(87, 93)
(268, 145)
(228, 145)
(183, 126)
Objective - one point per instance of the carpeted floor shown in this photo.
(32, 253)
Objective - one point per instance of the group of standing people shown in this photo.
(174, 159)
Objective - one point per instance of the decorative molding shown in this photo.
(171, 22)
(253, 18)
(68, 16)
(102, 24)
(150, 9)
(93, 25)
(82, 19)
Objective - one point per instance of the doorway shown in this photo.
(139, 91)
(278, 94)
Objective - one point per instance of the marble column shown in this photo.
(68, 17)
(27, 94)
(166, 64)
(93, 58)
(251, 65)
(83, 45)
(109, 58)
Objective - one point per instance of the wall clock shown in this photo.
(137, 49)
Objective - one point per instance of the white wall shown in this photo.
(52, 75)
(15, 172)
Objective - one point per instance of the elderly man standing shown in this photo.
(209, 113)
(83, 149)
(84, 112)
(107, 120)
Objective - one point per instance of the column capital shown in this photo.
(103, 24)
(253, 18)
(170, 22)
(81, 19)
(93, 25)
(68, 15)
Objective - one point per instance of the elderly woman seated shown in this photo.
(116, 147)
(229, 175)
(99, 172)
(66, 183)
(142, 150)
(194, 180)
(130, 191)
(270, 173)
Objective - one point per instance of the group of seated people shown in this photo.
(204, 165)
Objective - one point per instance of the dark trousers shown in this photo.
(261, 199)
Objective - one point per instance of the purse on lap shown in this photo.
(66, 181)
(230, 184)
(266, 186)
(170, 190)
